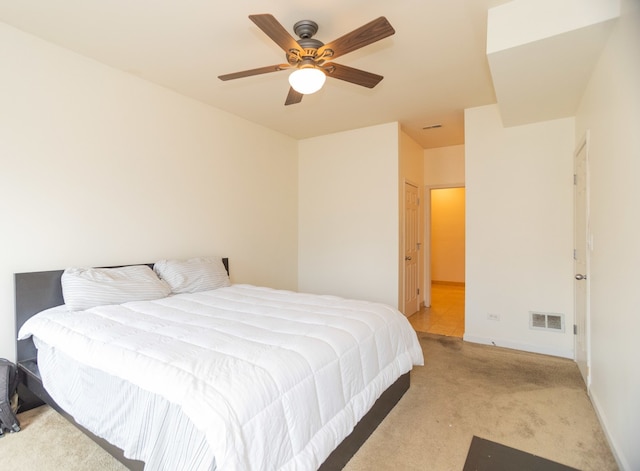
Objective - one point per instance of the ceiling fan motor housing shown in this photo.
(305, 29)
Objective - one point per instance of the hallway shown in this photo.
(446, 314)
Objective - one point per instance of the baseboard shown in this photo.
(620, 459)
(542, 349)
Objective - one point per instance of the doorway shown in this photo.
(444, 313)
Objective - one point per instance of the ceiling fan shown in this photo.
(312, 59)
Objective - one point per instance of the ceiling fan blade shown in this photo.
(272, 28)
(349, 74)
(258, 71)
(293, 97)
(371, 32)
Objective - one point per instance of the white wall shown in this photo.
(348, 214)
(610, 110)
(100, 168)
(519, 230)
(521, 22)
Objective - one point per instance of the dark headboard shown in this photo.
(37, 291)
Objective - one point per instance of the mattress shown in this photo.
(273, 379)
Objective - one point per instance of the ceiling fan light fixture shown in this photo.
(309, 56)
(307, 80)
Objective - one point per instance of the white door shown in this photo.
(411, 247)
(581, 260)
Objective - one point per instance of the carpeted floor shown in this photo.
(530, 402)
(48, 442)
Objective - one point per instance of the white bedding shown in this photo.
(147, 426)
(274, 379)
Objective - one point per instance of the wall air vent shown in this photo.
(546, 321)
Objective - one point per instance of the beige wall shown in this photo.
(610, 111)
(101, 168)
(348, 214)
(519, 230)
(447, 234)
(444, 166)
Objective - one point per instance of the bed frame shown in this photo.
(37, 291)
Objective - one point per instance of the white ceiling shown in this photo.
(434, 67)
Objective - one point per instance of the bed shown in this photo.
(300, 380)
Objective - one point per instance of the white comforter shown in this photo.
(275, 379)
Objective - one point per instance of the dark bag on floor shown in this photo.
(8, 387)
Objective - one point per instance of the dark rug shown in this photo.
(485, 455)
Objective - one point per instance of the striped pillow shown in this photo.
(193, 275)
(83, 288)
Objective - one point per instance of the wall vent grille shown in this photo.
(546, 321)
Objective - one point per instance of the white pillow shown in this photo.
(193, 275)
(83, 288)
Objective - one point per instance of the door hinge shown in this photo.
(575, 254)
(575, 178)
(575, 329)
(418, 291)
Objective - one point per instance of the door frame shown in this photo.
(427, 235)
(585, 368)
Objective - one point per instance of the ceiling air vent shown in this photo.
(546, 321)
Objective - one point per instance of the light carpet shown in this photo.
(530, 402)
